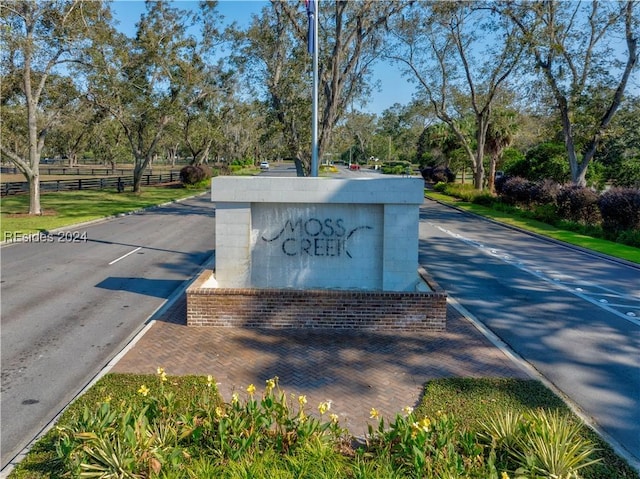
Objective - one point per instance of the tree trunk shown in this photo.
(34, 195)
(478, 176)
(491, 180)
(33, 171)
(138, 170)
(204, 158)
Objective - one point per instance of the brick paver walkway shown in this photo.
(356, 370)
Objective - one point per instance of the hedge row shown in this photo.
(615, 210)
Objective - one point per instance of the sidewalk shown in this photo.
(356, 370)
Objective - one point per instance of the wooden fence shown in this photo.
(76, 171)
(20, 187)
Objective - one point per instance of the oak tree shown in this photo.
(461, 56)
(586, 52)
(41, 40)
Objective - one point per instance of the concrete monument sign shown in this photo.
(325, 237)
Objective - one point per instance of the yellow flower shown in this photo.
(373, 414)
(209, 380)
(160, 371)
(324, 407)
(302, 400)
(144, 390)
(107, 399)
(251, 389)
(407, 410)
(425, 424)
(334, 418)
(234, 398)
(504, 475)
(220, 412)
(271, 383)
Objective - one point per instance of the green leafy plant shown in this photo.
(541, 444)
(178, 427)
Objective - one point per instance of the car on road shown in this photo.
(264, 165)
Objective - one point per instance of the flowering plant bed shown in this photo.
(164, 426)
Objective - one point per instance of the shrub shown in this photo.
(206, 170)
(499, 182)
(484, 199)
(517, 190)
(541, 444)
(465, 192)
(545, 192)
(394, 170)
(579, 204)
(195, 175)
(620, 209)
(438, 174)
(629, 237)
(440, 187)
(190, 175)
(545, 213)
(246, 162)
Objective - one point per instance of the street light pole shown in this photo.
(314, 113)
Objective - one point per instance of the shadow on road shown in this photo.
(159, 288)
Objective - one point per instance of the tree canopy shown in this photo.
(488, 75)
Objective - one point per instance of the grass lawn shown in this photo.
(70, 207)
(458, 410)
(610, 248)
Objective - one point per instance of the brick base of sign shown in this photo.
(328, 309)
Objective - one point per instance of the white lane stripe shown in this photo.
(559, 280)
(124, 256)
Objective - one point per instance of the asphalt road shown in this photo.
(574, 316)
(68, 307)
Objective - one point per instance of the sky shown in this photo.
(394, 87)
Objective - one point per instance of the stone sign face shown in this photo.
(314, 233)
(316, 246)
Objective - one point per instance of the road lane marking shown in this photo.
(561, 281)
(124, 256)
